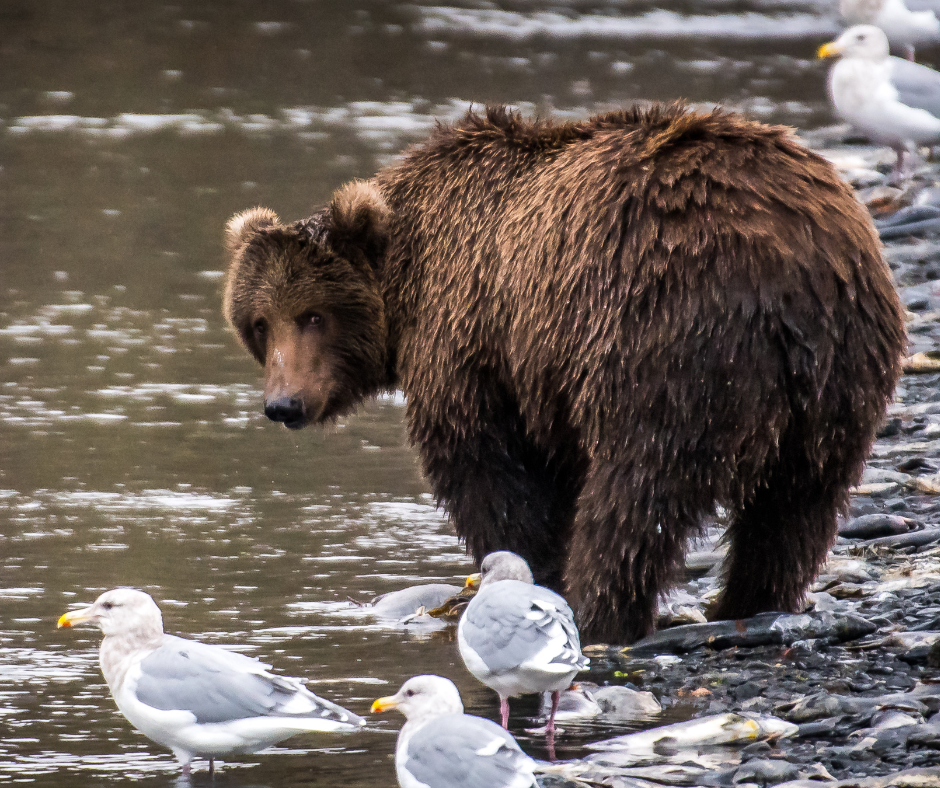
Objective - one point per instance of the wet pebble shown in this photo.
(763, 771)
(914, 219)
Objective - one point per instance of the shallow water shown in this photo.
(132, 447)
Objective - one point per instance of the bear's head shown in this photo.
(304, 299)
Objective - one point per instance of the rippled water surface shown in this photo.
(132, 447)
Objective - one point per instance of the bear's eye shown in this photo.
(260, 328)
(311, 320)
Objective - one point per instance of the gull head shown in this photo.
(421, 697)
(504, 565)
(121, 611)
(865, 42)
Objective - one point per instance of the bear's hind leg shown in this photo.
(779, 540)
(629, 538)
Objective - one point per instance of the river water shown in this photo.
(132, 446)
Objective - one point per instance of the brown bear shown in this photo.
(605, 330)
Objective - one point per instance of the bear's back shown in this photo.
(627, 206)
(560, 253)
(639, 188)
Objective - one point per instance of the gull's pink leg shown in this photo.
(898, 172)
(504, 711)
(550, 728)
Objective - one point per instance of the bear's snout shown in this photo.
(287, 410)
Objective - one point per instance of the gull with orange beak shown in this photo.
(197, 699)
(890, 100)
(441, 747)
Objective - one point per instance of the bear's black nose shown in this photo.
(288, 410)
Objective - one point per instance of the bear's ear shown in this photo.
(243, 225)
(359, 221)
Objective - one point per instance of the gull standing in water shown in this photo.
(197, 699)
(441, 747)
(519, 638)
(890, 100)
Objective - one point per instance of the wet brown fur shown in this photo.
(604, 330)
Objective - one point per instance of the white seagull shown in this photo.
(890, 100)
(197, 699)
(517, 637)
(441, 747)
(906, 23)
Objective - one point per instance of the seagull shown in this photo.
(890, 100)
(441, 747)
(907, 23)
(197, 699)
(517, 637)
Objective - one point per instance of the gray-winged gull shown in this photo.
(517, 637)
(441, 747)
(890, 100)
(907, 23)
(197, 699)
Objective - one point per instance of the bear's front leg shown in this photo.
(629, 538)
(502, 491)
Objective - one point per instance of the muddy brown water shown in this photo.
(132, 446)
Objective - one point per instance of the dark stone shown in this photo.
(758, 749)
(747, 690)
(916, 655)
(916, 302)
(933, 655)
(917, 465)
(925, 736)
(888, 740)
(766, 772)
(890, 428)
(556, 781)
(819, 728)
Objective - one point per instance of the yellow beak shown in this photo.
(74, 617)
(473, 581)
(828, 50)
(384, 704)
